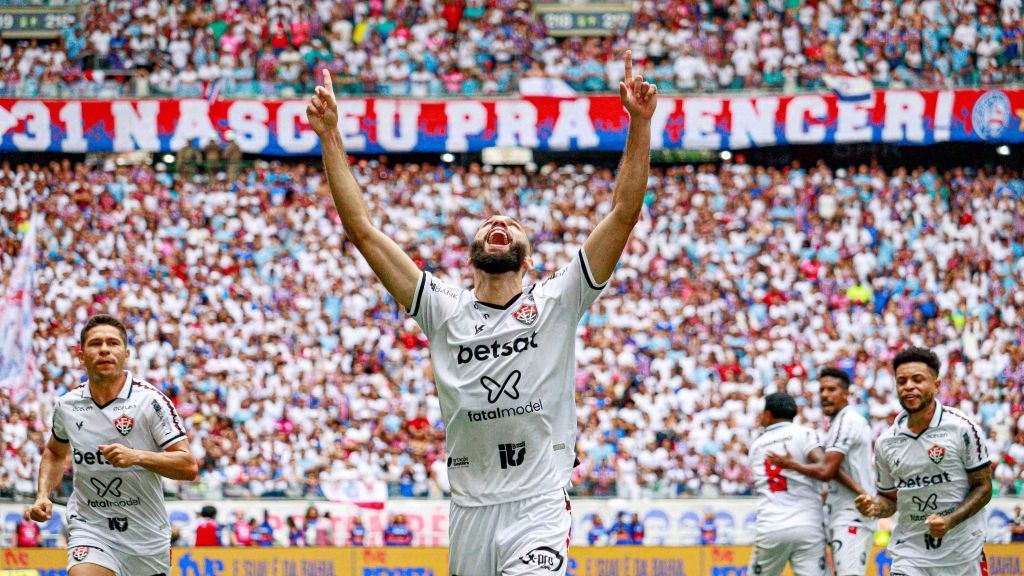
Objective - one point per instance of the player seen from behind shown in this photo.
(790, 522)
(847, 469)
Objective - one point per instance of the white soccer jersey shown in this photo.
(850, 435)
(787, 499)
(122, 507)
(928, 472)
(505, 379)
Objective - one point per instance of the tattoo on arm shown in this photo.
(886, 505)
(980, 482)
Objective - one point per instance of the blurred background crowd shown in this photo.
(299, 376)
(183, 48)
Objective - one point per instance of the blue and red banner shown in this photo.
(380, 125)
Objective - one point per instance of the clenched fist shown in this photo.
(42, 510)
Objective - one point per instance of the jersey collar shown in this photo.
(124, 394)
(497, 307)
(904, 418)
(778, 425)
(840, 413)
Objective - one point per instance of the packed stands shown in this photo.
(480, 47)
(298, 375)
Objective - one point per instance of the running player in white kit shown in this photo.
(933, 468)
(503, 355)
(123, 435)
(790, 520)
(847, 469)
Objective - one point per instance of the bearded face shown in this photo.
(497, 262)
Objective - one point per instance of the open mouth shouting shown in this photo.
(498, 237)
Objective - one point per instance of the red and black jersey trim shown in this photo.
(974, 431)
(839, 430)
(173, 412)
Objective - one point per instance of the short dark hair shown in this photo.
(103, 320)
(780, 405)
(837, 373)
(917, 354)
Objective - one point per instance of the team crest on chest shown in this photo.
(527, 314)
(124, 424)
(936, 453)
(80, 553)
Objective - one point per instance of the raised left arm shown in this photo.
(605, 244)
(175, 462)
(980, 482)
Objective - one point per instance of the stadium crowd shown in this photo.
(478, 47)
(299, 376)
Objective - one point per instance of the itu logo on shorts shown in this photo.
(991, 115)
(544, 557)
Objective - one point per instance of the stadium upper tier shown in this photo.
(478, 47)
(296, 373)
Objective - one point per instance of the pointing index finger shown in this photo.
(629, 65)
(328, 83)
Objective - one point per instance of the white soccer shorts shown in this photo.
(120, 564)
(803, 548)
(850, 545)
(527, 537)
(904, 567)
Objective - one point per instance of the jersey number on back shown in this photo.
(776, 481)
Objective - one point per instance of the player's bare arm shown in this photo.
(980, 482)
(826, 469)
(605, 244)
(175, 462)
(389, 262)
(51, 470)
(881, 506)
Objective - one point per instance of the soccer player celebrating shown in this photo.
(124, 434)
(503, 355)
(933, 468)
(789, 515)
(847, 469)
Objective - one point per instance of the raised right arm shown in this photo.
(388, 261)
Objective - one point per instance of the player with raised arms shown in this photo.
(503, 354)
